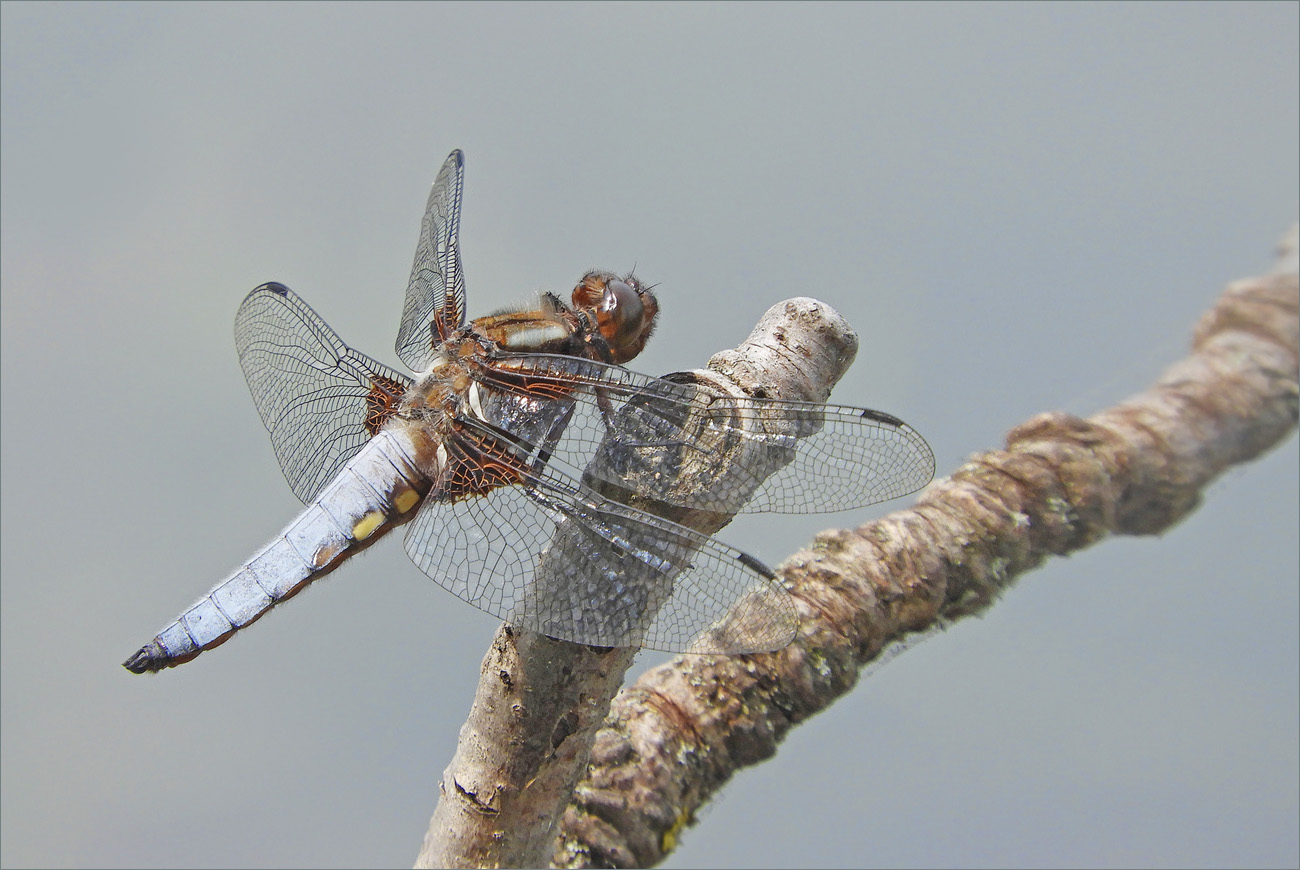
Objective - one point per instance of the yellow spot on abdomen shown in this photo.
(406, 500)
(366, 526)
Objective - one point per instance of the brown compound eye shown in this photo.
(625, 312)
(622, 306)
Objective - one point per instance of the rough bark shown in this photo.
(1062, 483)
(540, 702)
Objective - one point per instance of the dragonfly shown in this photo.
(538, 478)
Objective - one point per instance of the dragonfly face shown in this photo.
(523, 442)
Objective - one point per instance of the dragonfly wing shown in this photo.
(320, 399)
(846, 458)
(437, 285)
(609, 575)
(675, 441)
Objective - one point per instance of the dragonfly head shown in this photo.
(625, 311)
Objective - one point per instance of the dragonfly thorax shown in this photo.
(443, 390)
(610, 321)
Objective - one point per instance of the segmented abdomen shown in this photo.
(378, 489)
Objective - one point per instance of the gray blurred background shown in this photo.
(1019, 207)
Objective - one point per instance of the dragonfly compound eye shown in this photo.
(625, 317)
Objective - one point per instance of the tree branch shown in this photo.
(1061, 484)
(540, 702)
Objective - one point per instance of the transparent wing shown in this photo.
(668, 440)
(314, 393)
(437, 286)
(553, 558)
